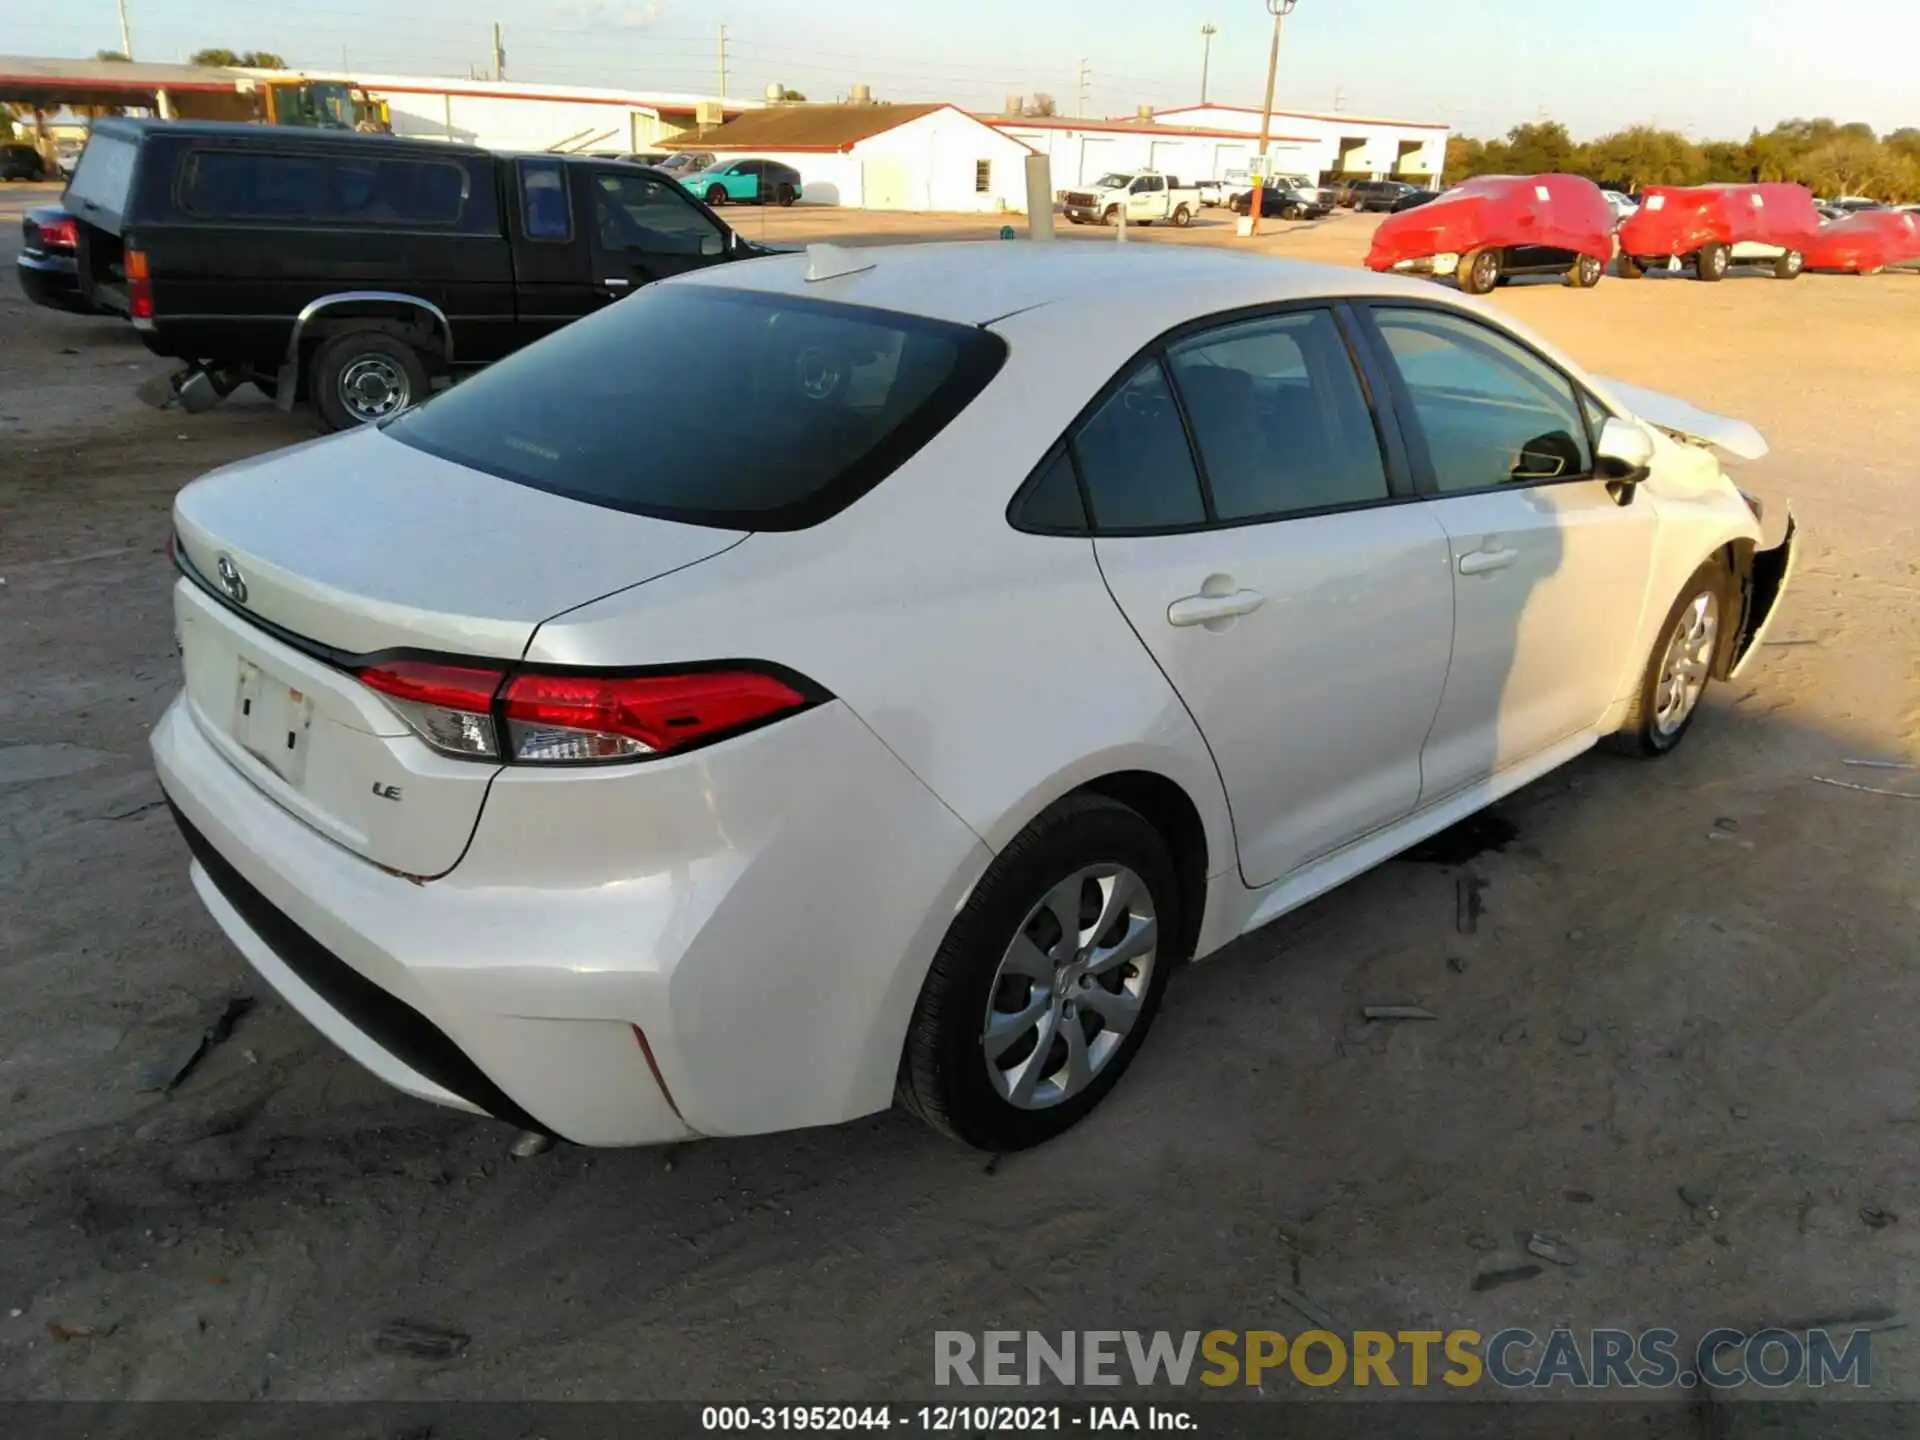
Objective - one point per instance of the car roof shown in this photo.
(980, 282)
(247, 133)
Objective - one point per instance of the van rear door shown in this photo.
(98, 197)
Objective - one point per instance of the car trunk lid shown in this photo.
(306, 565)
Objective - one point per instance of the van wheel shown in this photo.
(1630, 268)
(365, 376)
(1713, 261)
(716, 195)
(1789, 266)
(1679, 668)
(1183, 216)
(784, 195)
(1048, 980)
(1586, 273)
(1479, 271)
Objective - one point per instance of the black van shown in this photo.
(356, 270)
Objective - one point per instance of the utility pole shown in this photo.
(1280, 10)
(499, 54)
(126, 35)
(723, 64)
(1080, 91)
(1207, 32)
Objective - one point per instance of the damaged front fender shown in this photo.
(1762, 576)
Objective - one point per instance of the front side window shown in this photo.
(638, 212)
(545, 209)
(818, 402)
(1134, 460)
(1491, 412)
(1281, 421)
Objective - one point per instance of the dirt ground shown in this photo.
(1700, 973)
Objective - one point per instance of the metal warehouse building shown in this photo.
(880, 156)
(1210, 142)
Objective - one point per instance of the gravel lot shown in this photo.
(1699, 973)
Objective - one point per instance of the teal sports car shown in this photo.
(751, 182)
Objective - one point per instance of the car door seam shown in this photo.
(1226, 795)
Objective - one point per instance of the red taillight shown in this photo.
(561, 718)
(567, 719)
(63, 233)
(449, 706)
(139, 286)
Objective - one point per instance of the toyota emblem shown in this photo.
(231, 580)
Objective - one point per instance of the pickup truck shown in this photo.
(359, 271)
(1142, 196)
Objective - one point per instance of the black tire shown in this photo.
(1712, 262)
(1110, 216)
(943, 1070)
(1789, 266)
(1586, 272)
(1289, 212)
(784, 195)
(1630, 268)
(1182, 216)
(390, 361)
(716, 196)
(1479, 271)
(1641, 735)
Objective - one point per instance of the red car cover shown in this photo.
(1679, 220)
(1563, 212)
(1868, 240)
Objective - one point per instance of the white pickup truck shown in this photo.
(1142, 196)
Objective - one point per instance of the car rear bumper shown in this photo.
(53, 281)
(725, 942)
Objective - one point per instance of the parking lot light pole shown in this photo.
(1279, 9)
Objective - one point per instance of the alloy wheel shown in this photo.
(1070, 986)
(372, 387)
(1689, 659)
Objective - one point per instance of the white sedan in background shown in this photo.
(993, 649)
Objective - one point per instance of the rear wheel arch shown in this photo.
(1165, 804)
(1167, 807)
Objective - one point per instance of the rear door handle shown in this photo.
(1480, 562)
(1204, 609)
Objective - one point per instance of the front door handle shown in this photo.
(1480, 562)
(1205, 609)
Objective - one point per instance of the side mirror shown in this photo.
(712, 245)
(1624, 455)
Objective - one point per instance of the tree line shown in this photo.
(1829, 158)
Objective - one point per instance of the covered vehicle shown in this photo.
(1867, 242)
(1715, 227)
(1500, 225)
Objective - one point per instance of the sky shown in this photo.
(1714, 68)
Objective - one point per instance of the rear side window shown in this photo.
(349, 189)
(782, 410)
(546, 212)
(1282, 424)
(1134, 460)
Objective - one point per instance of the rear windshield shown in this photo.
(713, 406)
(99, 186)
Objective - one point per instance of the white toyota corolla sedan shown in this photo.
(990, 629)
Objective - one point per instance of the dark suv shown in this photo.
(359, 270)
(1381, 195)
(21, 162)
